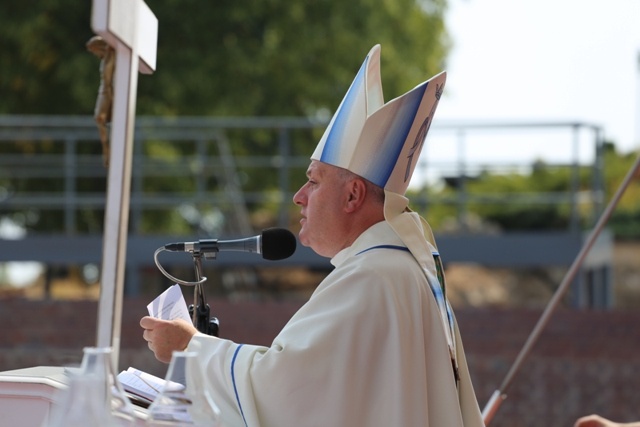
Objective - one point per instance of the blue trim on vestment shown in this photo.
(400, 248)
(233, 379)
(439, 266)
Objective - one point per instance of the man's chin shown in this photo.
(303, 240)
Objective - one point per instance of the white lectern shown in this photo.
(27, 396)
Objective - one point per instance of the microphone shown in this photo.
(273, 243)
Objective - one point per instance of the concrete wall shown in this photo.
(584, 361)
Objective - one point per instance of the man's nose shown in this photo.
(298, 197)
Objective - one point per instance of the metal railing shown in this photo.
(71, 164)
(205, 163)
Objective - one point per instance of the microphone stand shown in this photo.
(281, 244)
(200, 311)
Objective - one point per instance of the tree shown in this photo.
(500, 199)
(215, 58)
(254, 58)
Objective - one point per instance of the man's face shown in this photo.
(321, 199)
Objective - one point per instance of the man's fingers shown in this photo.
(148, 322)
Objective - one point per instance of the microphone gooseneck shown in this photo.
(174, 247)
(273, 244)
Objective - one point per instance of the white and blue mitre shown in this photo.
(377, 141)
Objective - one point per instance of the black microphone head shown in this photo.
(277, 243)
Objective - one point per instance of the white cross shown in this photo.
(131, 28)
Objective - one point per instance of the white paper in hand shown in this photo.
(170, 305)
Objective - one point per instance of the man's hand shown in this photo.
(166, 336)
(598, 421)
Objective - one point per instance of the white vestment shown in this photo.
(367, 349)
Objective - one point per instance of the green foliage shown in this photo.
(625, 220)
(253, 58)
(544, 181)
(526, 217)
(616, 167)
(215, 58)
(501, 199)
(45, 66)
(625, 224)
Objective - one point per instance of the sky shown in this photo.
(544, 61)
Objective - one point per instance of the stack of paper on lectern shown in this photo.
(143, 386)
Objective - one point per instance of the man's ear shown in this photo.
(356, 196)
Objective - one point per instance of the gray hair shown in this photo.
(376, 191)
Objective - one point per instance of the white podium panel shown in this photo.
(27, 396)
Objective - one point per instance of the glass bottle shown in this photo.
(184, 399)
(95, 396)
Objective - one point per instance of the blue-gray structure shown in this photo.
(212, 139)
